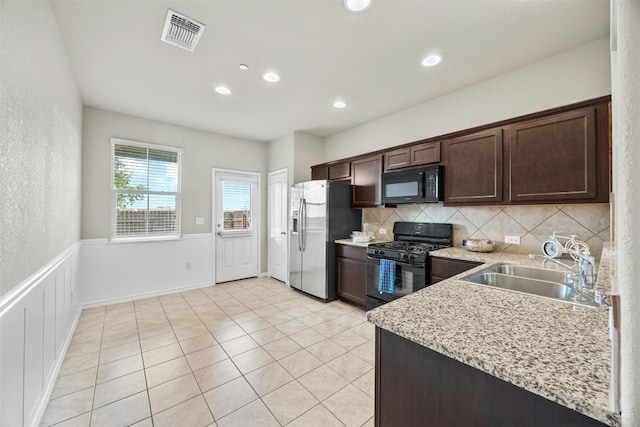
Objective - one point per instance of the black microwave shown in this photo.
(416, 185)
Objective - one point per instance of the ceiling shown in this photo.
(322, 52)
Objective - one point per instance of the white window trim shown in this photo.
(126, 239)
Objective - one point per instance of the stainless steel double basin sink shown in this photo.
(540, 282)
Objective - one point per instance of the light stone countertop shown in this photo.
(361, 244)
(554, 349)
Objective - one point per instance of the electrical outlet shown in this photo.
(199, 220)
(382, 230)
(514, 240)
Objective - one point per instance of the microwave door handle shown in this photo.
(421, 184)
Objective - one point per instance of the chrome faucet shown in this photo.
(578, 279)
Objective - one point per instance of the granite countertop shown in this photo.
(557, 350)
(350, 242)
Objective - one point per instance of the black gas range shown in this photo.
(404, 262)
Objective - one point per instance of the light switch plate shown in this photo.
(382, 230)
(199, 220)
(514, 240)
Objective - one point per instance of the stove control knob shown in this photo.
(378, 252)
(405, 256)
(412, 257)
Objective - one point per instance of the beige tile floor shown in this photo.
(245, 353)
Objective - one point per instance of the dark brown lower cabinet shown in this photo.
(416, 386)
(443, 268)
(351, 269)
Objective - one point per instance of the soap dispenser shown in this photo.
(587, 268)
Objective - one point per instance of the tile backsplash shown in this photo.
(532, 223)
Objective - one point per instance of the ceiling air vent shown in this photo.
(181, 31)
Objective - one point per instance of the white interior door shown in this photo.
(236, 220)
(278, 215)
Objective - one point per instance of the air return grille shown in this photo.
(181, 31)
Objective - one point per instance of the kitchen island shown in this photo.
(507, 358)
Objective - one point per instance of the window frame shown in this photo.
(177, 234)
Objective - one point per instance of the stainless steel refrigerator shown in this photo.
(320, 213)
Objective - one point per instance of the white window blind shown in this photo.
(236, 205)
(145, 190)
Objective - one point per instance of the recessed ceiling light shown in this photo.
(271, 77)
(431, 60)
(243, 67)
(223, 90)
(357, 6)
(339, 104)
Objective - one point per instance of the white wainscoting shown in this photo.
(37, 320)
(38, 317)
(113, 272)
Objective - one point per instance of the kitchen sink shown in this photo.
(531, 272)
(540, 282)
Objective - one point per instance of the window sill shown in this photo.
(144, 239)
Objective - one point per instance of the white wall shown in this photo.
(280, 154)
(119, 271)
(40, 148)
(626, 151)
(202, 152)
(569, 77)
(41, 121)
(297, 152)
(307, 151)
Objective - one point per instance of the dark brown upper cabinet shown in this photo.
(340, 171)
(320, 172)
(561, 155)
(365, 176)
(554, 158)
(421, 154)
(473, 168)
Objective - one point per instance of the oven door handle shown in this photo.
(419, 265)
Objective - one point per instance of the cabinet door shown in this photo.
(352, 280)
(554, 158)
(365, 176)
(424, 154)
(320, 172)
(397, 159)
(473, 168)
(340, 171)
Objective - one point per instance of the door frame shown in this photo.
(286, 213)
(257, 219)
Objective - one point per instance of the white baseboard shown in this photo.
(151, 294)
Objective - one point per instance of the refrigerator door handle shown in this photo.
(303, 229)
(300, 227)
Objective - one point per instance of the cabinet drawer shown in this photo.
(358, 253)
(444, 268)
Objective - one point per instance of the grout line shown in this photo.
(334, 310)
